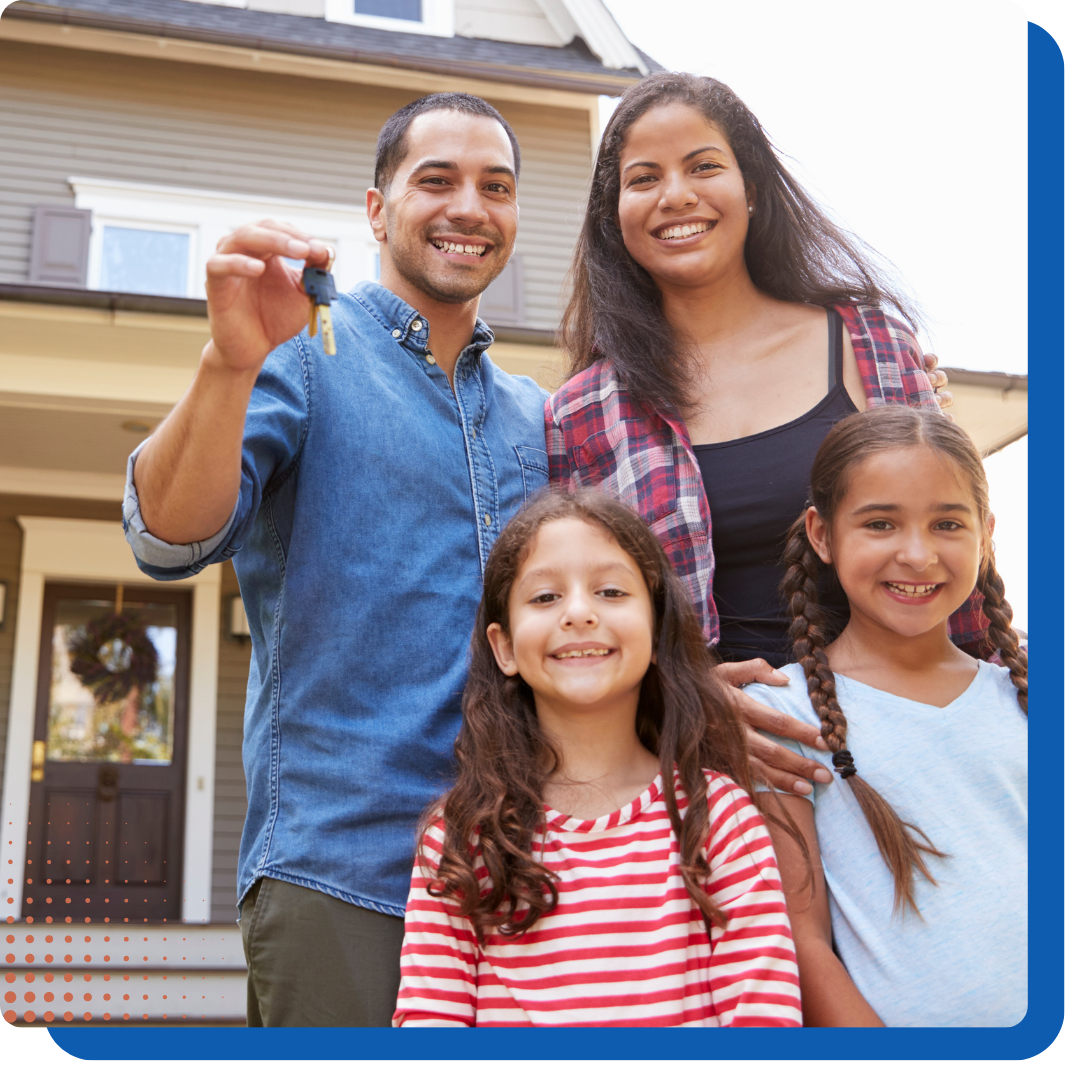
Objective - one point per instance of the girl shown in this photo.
(599, 860)
(718, 325)
(926, 869)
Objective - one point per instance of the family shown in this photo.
(685, 696)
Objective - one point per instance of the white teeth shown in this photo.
(685, 230)
(911, 590)
(460, 249)
(572, 653)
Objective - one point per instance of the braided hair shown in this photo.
(903, 845)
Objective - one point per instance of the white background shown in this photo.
(764, 31)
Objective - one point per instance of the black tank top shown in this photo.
(756, 488)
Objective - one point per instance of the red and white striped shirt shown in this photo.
(625, 944)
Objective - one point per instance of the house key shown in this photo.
(319, 285)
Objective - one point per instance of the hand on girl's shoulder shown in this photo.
(782, 697)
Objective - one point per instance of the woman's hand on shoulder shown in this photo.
(783, 768)
(938, 380)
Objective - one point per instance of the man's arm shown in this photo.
(188, 473)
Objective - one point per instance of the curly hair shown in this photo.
(504, 758)
(792, 250)
(903, 846)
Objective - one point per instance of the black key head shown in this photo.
(319, 285)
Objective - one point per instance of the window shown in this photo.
(434, 17)
(145, 261)
(147, 238)
(390, 9)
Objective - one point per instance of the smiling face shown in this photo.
(683, 203)
(449, 216)
(906, 541)
(581, 622)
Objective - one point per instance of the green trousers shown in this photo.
(315, 961)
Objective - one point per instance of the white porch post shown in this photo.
(20, 740)
(202, 741)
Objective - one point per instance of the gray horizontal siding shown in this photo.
(67, 112)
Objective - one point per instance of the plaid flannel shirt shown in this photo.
(597, 437)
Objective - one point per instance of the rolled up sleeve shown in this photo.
(274, 432)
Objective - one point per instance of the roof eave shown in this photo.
(613, 83)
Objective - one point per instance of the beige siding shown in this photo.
(505, 20)
(230, 797)
(12, 506)
(69, 112)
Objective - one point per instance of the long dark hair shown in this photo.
(793, 251)
(850, 442)
(504, 759)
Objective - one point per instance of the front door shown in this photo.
(105, 835)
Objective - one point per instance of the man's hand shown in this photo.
(783, 768)
(255, 300)
(938, 380)
(188, 473)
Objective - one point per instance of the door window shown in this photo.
(112, 718)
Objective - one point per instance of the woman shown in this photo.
(719, 325)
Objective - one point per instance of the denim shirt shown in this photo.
(370, 496)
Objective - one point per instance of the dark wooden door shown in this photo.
(110, 749)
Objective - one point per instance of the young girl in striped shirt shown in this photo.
(915, 911)
(599, 860)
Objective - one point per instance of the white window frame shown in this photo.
(207, 216)
(97, 245)
(437, 18)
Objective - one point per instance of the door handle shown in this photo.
(108, 780)
(37, 762)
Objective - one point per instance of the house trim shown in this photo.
(75, 550)
(528, 86)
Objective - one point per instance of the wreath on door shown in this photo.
(111, 654)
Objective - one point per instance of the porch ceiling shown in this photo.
(71, 377)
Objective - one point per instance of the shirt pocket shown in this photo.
(534, 469)
(638, 470)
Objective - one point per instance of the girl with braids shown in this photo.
(599, 859)
(914, 909)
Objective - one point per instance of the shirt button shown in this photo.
(429, 358)
(417, 325)
(395, 333)
(487, 519)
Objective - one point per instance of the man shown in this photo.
(359, 496)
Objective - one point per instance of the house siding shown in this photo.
(66, 112)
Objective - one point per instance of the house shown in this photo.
(134, 134)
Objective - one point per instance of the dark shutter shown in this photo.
(61, 246)
(503, 302)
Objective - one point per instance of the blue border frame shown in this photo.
(1046, 293)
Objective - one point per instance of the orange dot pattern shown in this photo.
(104, 974)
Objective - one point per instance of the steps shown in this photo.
(123, 972)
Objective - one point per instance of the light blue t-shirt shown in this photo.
(959, 774)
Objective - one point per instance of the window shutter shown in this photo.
(503, 302)
(60, 247)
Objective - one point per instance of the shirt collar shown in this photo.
(407, 326)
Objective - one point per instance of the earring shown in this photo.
(750, 208)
